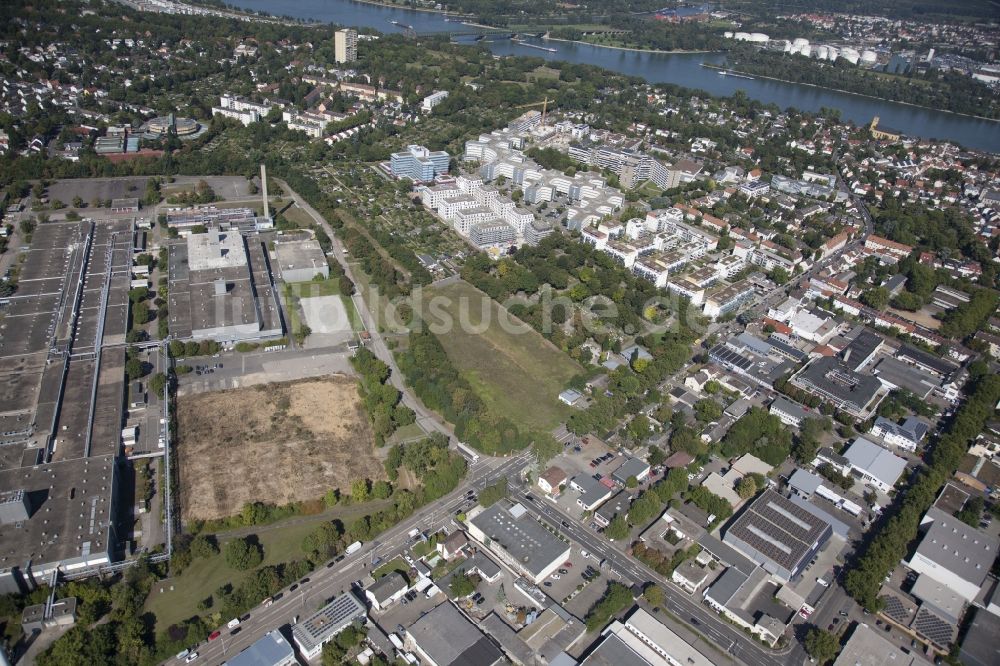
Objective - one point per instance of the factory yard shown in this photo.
(274, 443)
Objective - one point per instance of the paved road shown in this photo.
(726, 636)
(427, 419)
(329, 581)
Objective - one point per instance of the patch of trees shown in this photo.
(899, 525)
(660, 562)
(759, 433)
(381, 399)
(969, 317)
(492, 494)
(806, 443)
(616, 598)
(550, 158)
(380, 272)
(430, 460)
(180, 349)
(243, 553)
(710, 503)
(336, 651)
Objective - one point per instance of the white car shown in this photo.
(235, 622)
(555, 576)
(191, 657)
(584, 554)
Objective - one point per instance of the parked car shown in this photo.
(215, 634)
(183, 653)
(191, 657)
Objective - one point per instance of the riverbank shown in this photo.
(429, 10)
(621, 48)
(848, 92)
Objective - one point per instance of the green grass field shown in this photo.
(519, 375)
(282, 542)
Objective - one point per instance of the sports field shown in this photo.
(518, 374)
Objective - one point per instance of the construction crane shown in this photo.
(544, 104)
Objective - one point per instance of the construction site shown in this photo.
(310, 435)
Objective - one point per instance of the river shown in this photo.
(683, 69)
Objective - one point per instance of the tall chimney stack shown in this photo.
(263, 187)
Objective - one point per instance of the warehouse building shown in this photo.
(60, 514)
(446, 637)
(518, 540)
(953, 554)
(220, 288)
(301, 260)
(778, 535)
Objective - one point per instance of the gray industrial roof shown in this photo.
(860, 350)
(980, 647)
(268, 650)
(832, 378)
(617, 504)
(927, 360)
(612, 651)
(805, 482)
(727, 585)
(793, 409)
(867, 648)
(523, 537)
(631, 467)
(450, 639)
(884, 465)
(957, 547)
(906, 376)
(300, 254)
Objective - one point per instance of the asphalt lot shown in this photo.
(259, 367)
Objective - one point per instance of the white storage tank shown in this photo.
(822, 52)
(850, 55)
(728, 34)
(868, 57)
(800, 46)
(833, 53)
(759, 37)
(742, 36)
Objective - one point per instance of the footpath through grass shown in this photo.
(519, 374)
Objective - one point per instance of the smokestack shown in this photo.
(263, 187)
